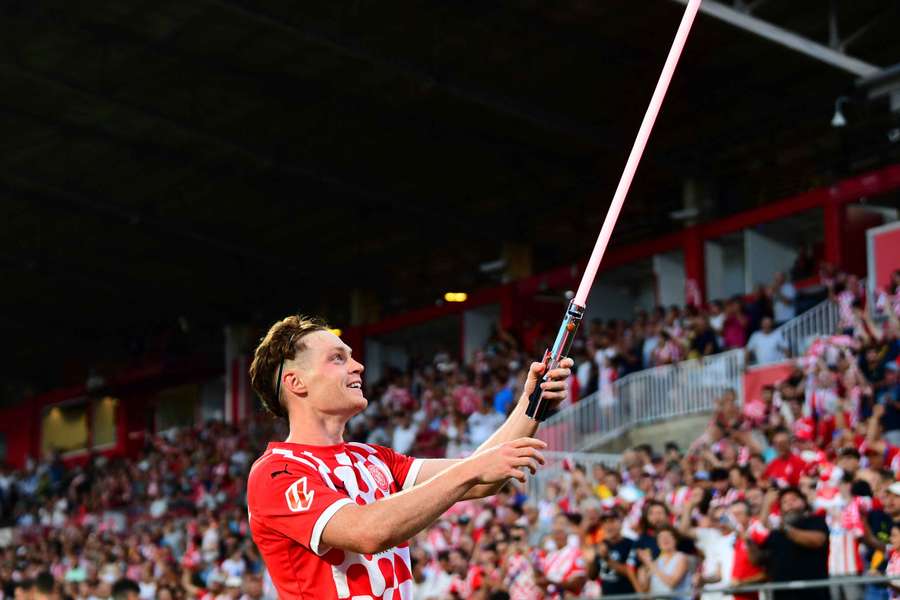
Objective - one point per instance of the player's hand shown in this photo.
(554, 390)
(508, 460)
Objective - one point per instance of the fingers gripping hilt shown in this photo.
(537, 407)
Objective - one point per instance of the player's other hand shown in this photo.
(509, 460)
(555, 388)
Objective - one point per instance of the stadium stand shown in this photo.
(171, 519)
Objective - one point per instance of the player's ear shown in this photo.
(295, 381)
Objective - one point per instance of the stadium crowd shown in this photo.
(799, 482)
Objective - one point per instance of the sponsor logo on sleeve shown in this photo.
(297, 496)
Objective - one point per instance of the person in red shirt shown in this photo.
(786, 468)
(749, 534)
(331, 519)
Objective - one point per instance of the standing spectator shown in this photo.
(784, 295)
(562, 570)
(717, 318)
(438, 577)
(405, 432)
(888, 407)
(893, 566)
(759, 308)
(798, 549)
(652, 340)
(504, 399)
(734, 327)
(607, 560)
(749, 534)
(767, 345)
(704, 340)
(785, 469)
(483, 423)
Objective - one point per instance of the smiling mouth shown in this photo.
(356, 385)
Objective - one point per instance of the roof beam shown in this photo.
(787, 38)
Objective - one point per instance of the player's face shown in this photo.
(333, 378)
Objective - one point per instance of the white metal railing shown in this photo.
(556, 469)
(766, 589)
(799, 332)
(647, 396)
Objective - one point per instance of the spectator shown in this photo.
(438, 578)
(784, 295)
(893, 565)
(749, 534)
(717, 318)
(562, 571)
(889, 405)
(758, 308)
(45, 587)
(608, 560)
(786, 468)
(767, 345)
(405, 433)
(734, 327)
(125, 589)
(483, 423)
(703, 340)
(798, 548)
(669, 571)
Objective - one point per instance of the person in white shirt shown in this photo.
(438, 578)
(767, 345)
(405, 432)
(483, 423)
(783, 294)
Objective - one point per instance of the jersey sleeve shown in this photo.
(579, 567)
(297, 504)
(405, 469)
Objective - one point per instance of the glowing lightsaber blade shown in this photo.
(536, 408)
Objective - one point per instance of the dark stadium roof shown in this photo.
(235, 159)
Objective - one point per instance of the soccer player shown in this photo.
(332, 518)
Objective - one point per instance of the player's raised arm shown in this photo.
(375, 527)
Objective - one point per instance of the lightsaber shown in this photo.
(536, 408)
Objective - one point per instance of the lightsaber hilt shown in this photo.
(537, 406)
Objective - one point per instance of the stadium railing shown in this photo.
(799, 332)
(765, 590)
(648, 396)
(671, 391)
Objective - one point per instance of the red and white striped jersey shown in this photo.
(465, 588)
(519, 579)
(564, 564)
(845, 521)
(677, 499)
(294, 490)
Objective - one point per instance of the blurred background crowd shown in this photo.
(819, 449)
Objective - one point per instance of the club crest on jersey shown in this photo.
(378, 475)
(298, 498)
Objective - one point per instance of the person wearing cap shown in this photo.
(233, 587)
(215, 586)
(608, 559)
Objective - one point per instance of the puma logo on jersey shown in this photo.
(277, 473)
(298, 498)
